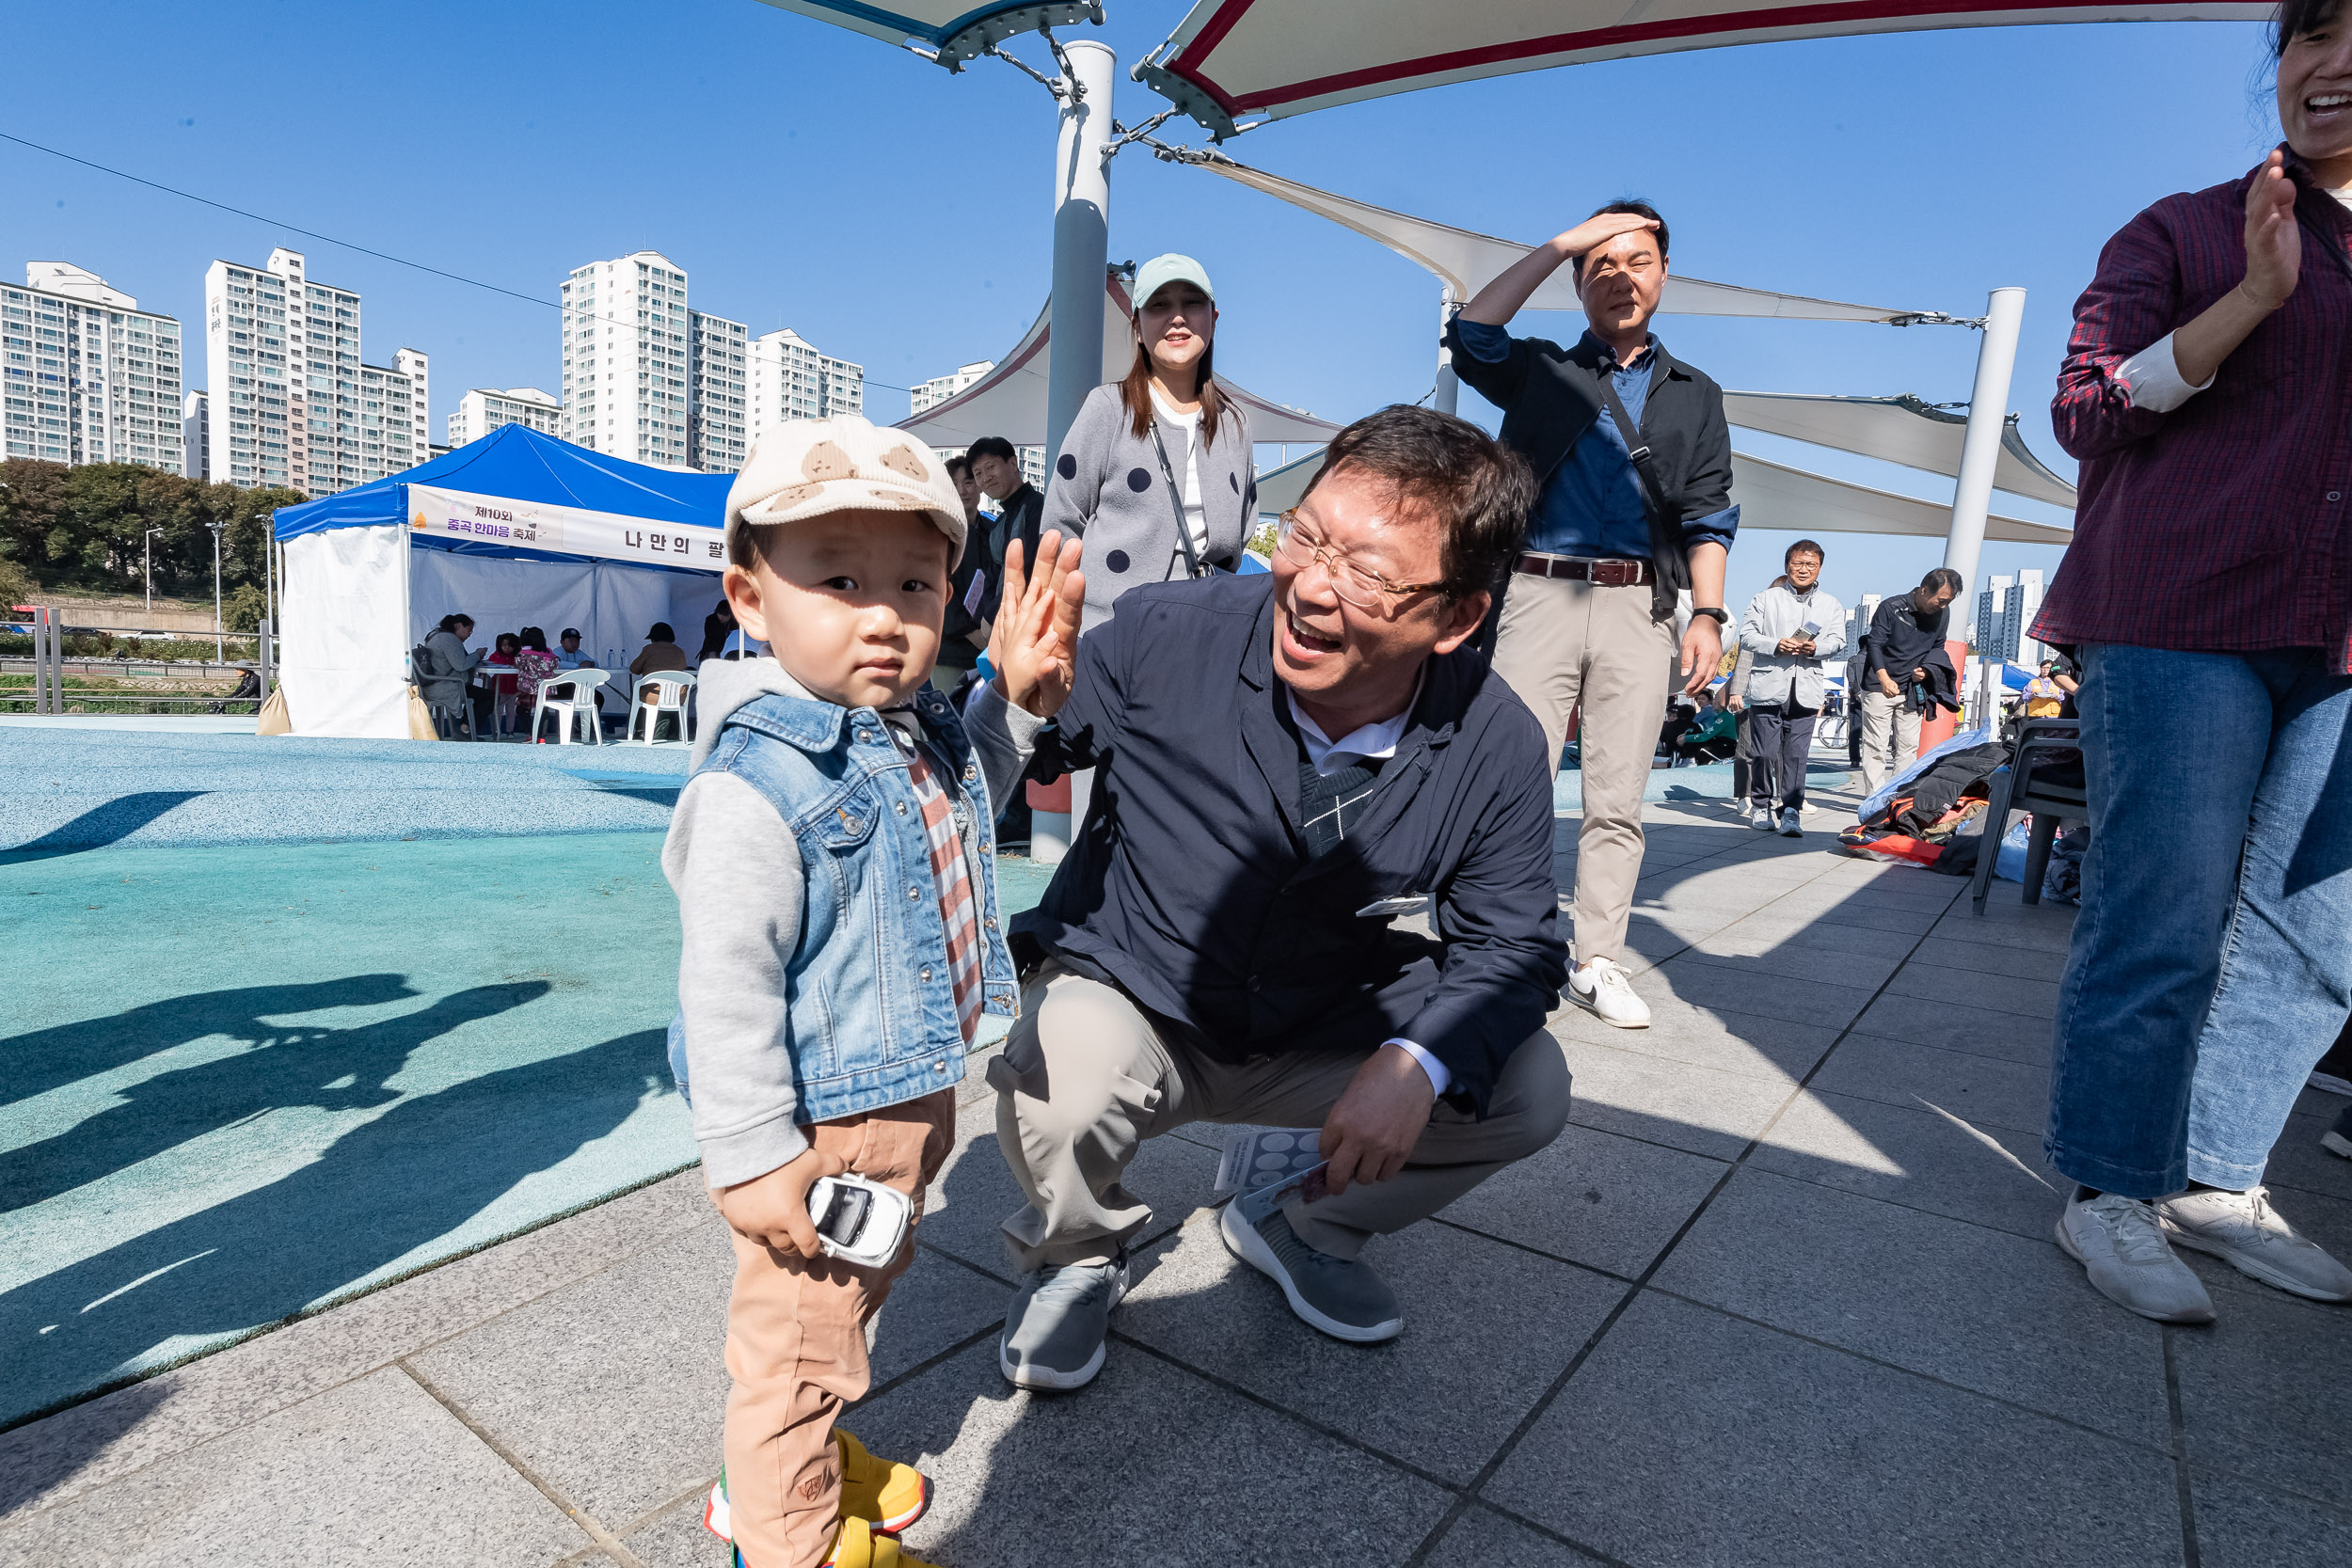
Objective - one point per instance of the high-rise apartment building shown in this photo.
(717, 422)
(939, 389)
(483, 410)
(413, 364)
(792, 380)
(625, 359)
(86, 376)
(196, 437)
(289, 400)
(2005, 612)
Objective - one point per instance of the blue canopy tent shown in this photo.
(518, 529)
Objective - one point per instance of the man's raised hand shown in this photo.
(1035, 643)
(1598, 231)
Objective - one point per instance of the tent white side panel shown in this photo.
(499, 594)
(346, 638)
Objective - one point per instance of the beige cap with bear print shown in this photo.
(805, 469)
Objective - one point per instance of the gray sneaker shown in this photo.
(2120, 1243)
(1791, 825)
(1761, 820)
(1343, 1298)
(2245, 1231)
(1055, 1328)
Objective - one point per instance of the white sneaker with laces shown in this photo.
(1601, 988)
(1761, 820)
(2121, 1245)
(2245, 1233)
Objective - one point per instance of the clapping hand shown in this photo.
(1034, 644)
(2274, 245)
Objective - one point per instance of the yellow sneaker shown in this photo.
(856, 1545)
(887, 1496)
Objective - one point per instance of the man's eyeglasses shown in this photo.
(1356, 585)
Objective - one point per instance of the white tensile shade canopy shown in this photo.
(1771, 496)
(1232, 59)
(949, 31)
(1899, 430)
(1010, 401)
(1466, 261)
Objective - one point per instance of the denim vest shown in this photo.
(869, 999)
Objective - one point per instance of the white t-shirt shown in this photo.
(1189, 427)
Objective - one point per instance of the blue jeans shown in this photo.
(2210, 963)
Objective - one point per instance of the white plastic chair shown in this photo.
(672, 690)
(574, 707)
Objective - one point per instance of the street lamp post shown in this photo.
(220, 654)
(147, 569)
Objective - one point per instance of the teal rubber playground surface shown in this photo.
(240, 1082)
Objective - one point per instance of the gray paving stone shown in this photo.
(1764, 993)
(1829, 904)
(1991, 1176)
(1918, 893)
(1482, 1538)
(2262, 1392)
(1725, 1039)
(1441, 1397)
(614, 1389)
(965, 1213)
(2015, 961)
(48, 1460)
(374, 1471)
(1768, 931)
(1933, 982)
(1985, 1090)
(1982, 1308)
(674, 1540)
(2242, 1525)
(2047, 930)
(1822, 965)
(1593, 1196)
(2297, 1162)
(1953, 1026)
(937, 1302)
(1691, 1440)
(1146, 1464)
(1662, 1102)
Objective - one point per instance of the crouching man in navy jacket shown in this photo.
(1288, 764)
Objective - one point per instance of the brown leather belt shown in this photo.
(1606, 574)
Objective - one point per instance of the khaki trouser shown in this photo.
(1890, 737)
(1086, 1077)
(796, 1344)
(1573, 648)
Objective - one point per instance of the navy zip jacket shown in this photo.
(1190, 886)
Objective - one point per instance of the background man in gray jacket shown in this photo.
(1792, 630)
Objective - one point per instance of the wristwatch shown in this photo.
(1713, 612)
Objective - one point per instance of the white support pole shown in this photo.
(1448, 394)
(1082, 200)
(1988, 417)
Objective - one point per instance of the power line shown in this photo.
(346, 244)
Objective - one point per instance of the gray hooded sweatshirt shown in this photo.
(737, 871)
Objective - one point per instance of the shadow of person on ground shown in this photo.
(306, 1068)
(41, 1060)
(382, 1191)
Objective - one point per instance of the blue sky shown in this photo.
(898, 216)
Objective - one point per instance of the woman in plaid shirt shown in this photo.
(2208, 393)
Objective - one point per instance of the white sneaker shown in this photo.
(2121, 1245)
(1761, 820)
(1601, 988)
(2244, 1231)
(1790, 826)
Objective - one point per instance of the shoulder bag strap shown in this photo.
(1665, 533)
(1176, 499)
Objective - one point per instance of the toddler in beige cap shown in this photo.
(832, 854)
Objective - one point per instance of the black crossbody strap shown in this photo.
(1176, 499)
(1665, 533)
